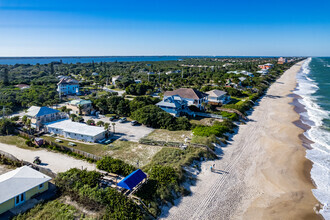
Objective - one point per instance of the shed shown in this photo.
(132, 180)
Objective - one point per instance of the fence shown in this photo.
(73, 150)
(63, 148)
(43, 170)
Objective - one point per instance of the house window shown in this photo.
(19, 199)
(41, 186)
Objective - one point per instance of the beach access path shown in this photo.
(56, 162)
(263, 172)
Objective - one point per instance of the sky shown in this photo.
(166, 27)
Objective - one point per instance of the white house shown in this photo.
(68, 86)
(76, 130)
(217, 97)
(116, 78)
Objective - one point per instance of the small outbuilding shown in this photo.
(132, 180)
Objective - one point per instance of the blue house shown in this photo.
(68, 86)
(173, 105)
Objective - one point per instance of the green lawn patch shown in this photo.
(15, 140)
(93, 148)
(54, 210)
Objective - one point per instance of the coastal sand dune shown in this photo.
(263, 173)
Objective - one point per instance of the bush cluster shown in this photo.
(155, 117)
(116, 166)
(218, 129)
(82, 186)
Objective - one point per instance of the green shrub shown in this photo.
(117, 166)
(155, 117)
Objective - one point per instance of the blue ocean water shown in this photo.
(314, 90)
(46, 60)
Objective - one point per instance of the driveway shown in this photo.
(56, 162)
(125, 131)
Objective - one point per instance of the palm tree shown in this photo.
(113, 125)
(80, 107)
(28, 124)
(100, 123)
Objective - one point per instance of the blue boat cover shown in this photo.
(132, 179)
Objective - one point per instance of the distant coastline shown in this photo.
(89, 59)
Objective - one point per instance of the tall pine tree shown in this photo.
(5, 77)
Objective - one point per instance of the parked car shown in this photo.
(58, 141)
(133, 123)
(122, 120)
(112, 118)
(72, 144)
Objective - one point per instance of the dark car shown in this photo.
(112, 118)
(122, 120)
(133, 123)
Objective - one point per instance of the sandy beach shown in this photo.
(263, 172)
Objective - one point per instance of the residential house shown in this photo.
(192, 96)
(42, 115)
(22, 86)
(68, 86)
(244, 72)
(76, 130)
(266, 66)
(137, 81)
(80, 106)
(282, 60)
(173, 104)
(115, 79)
(217, 97)
(263, 72)
(20, 185)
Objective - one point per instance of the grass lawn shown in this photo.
(93, 148)
(15, 140)
(132, 152)
(53, 210)
(169, 136)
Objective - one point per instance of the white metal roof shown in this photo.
(19, 181)
(75, 127)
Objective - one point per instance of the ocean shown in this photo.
(313, 90)
(46, 60)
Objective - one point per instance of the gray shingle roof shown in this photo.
(216, 93)
(19, 181)
(187, 93)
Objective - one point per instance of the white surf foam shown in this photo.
(320, 152)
